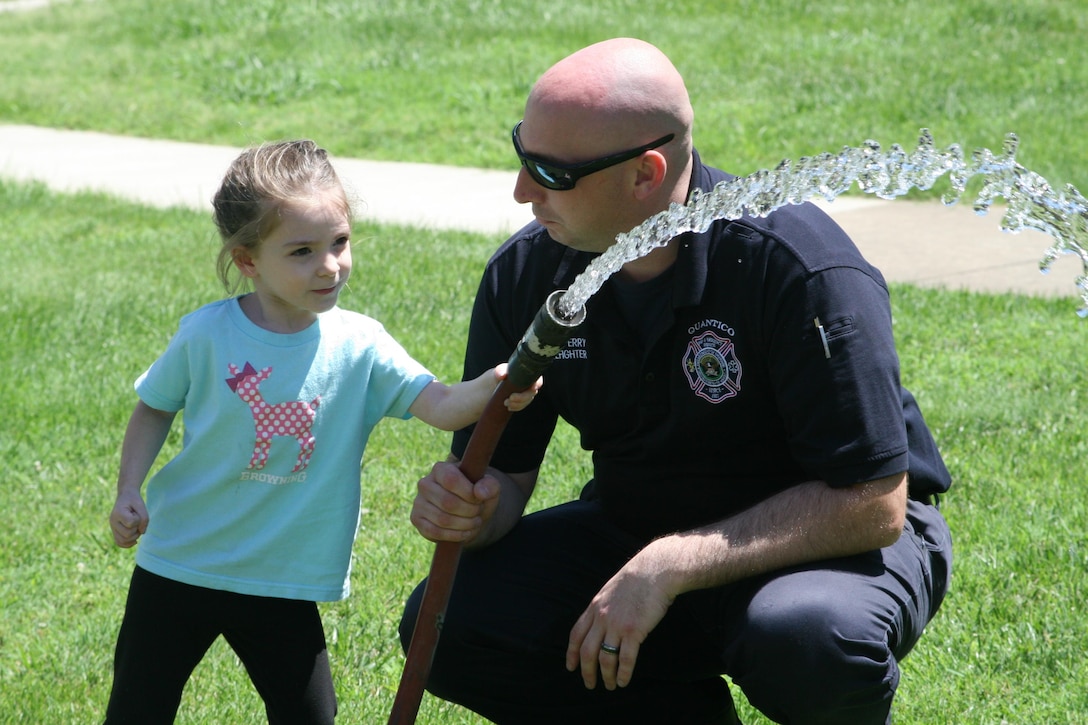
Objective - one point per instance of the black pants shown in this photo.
(813, 644)
(169, 626)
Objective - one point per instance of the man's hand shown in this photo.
(449, 507)
(807, 522)
(620, 617)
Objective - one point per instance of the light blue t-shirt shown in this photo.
(263, 498)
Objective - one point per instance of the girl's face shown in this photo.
(300, 268)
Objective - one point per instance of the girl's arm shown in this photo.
(452, 407)
(146, 432)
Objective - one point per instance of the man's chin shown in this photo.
(554, 231)
(559, 234)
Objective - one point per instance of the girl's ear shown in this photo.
(243, 260)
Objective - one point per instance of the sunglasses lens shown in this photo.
(547, 176)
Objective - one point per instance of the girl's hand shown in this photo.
(518, 401)
(128, 520)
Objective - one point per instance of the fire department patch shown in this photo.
(712, 367)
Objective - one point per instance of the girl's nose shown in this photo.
(331, 265)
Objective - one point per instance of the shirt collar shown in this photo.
(691, 258)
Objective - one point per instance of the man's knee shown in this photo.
(812, 660)
(409, 616)
(446, 666)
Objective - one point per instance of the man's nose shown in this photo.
(525, 189)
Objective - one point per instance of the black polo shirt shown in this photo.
(711, 389)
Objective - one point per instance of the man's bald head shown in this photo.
(623, 90)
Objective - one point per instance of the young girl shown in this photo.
(254, 520)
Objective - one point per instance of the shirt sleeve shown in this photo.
(836, 372)
(396, 381)
(165, 385)
(510, 294)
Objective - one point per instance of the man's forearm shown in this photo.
(808, 522)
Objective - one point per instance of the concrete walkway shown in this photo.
(924, 243)
(13, 6)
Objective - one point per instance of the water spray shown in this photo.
(545, 337)
(1032, 202)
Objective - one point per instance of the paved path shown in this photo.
(11, 6)
(924, 243)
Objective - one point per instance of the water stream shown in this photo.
(1032, 202)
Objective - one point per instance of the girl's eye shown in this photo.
(300, 252)
(342, 241)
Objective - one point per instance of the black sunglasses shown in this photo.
(561, 177)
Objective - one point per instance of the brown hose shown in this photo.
(542, 341)
(447, 555)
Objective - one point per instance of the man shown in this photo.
(762, 500)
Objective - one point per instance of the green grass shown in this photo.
(99, 284)
(444, 81)
(92, 289)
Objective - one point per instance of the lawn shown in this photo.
(92, 289)
(443, 81)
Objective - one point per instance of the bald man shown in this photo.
(763, 496)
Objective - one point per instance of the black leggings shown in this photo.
(169, 626)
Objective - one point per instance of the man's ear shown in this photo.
(650, 174)
(243, 260)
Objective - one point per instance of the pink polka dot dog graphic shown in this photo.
(292, 419)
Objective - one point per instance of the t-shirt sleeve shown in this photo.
(509, 296)
(397, 379)
(165, 385)
(836, 372)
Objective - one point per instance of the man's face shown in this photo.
(589, 216)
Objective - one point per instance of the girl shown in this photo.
(252, 523)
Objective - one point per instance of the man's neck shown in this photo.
(651, 265)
